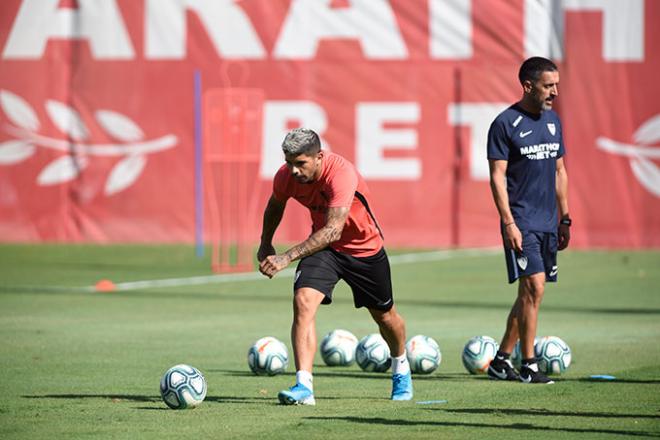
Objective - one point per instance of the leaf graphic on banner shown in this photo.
(647, 173)
(67, 119)
(62, 169)
(19, 111)
(649, 132)
(119, 126)
(15, 151)
(125, 173)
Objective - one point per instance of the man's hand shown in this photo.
(272, 264)
(513, 237)
(264, 251)
(564, 235)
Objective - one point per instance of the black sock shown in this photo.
(528, 362)
(501, 355)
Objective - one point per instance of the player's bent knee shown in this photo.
(388, 318)
(306, 301)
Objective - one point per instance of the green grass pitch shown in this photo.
(77, 364)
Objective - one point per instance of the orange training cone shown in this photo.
(105, 286)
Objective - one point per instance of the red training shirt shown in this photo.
(336, 187)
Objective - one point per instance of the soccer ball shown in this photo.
(373, 354)
(553, 355)
(478, 352)
(268, 356)
(423, 354)
(516, 356)
(338, 348)
(183, 386)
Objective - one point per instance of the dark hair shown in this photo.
(301, 141)
(532, 69)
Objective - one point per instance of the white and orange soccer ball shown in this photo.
(478, 353)
(423, 354)
(338, 348)
(268, 356)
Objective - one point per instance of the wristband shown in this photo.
(566, 221)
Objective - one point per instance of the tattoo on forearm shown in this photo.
(317, 241)
(323, 237)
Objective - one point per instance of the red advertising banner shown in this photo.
(98, 110)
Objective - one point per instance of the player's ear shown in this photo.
(527, 86)
(320, 154)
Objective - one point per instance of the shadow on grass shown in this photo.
(116, 398)
(387, 376)
(624, 381)
(544, 412)
(239, 373)
(113, 397)
(348, 374)
(440, 424)
(139, 398)
(323, 372)
(238, 399)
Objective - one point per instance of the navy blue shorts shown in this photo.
(369, 277)
(539, 254)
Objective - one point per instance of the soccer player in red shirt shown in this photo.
(346, 243)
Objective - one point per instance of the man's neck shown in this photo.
(319, 171)
(530, 108)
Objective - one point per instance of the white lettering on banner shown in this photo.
(372, 139)
(477, 116)
(97, 21)
(622, 30)
(277, 117)
(371, 22)
(226, 24)
(543, 29)
(451, 29)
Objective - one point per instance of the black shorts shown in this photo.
(539, 255)
(368, 277)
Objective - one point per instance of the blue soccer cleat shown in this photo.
(297, 395)
(402, 388)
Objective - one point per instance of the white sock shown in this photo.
(400, 364)
(305, 378)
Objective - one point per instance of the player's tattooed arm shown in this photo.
(331, 232)
(272, 218)
(336, 219)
